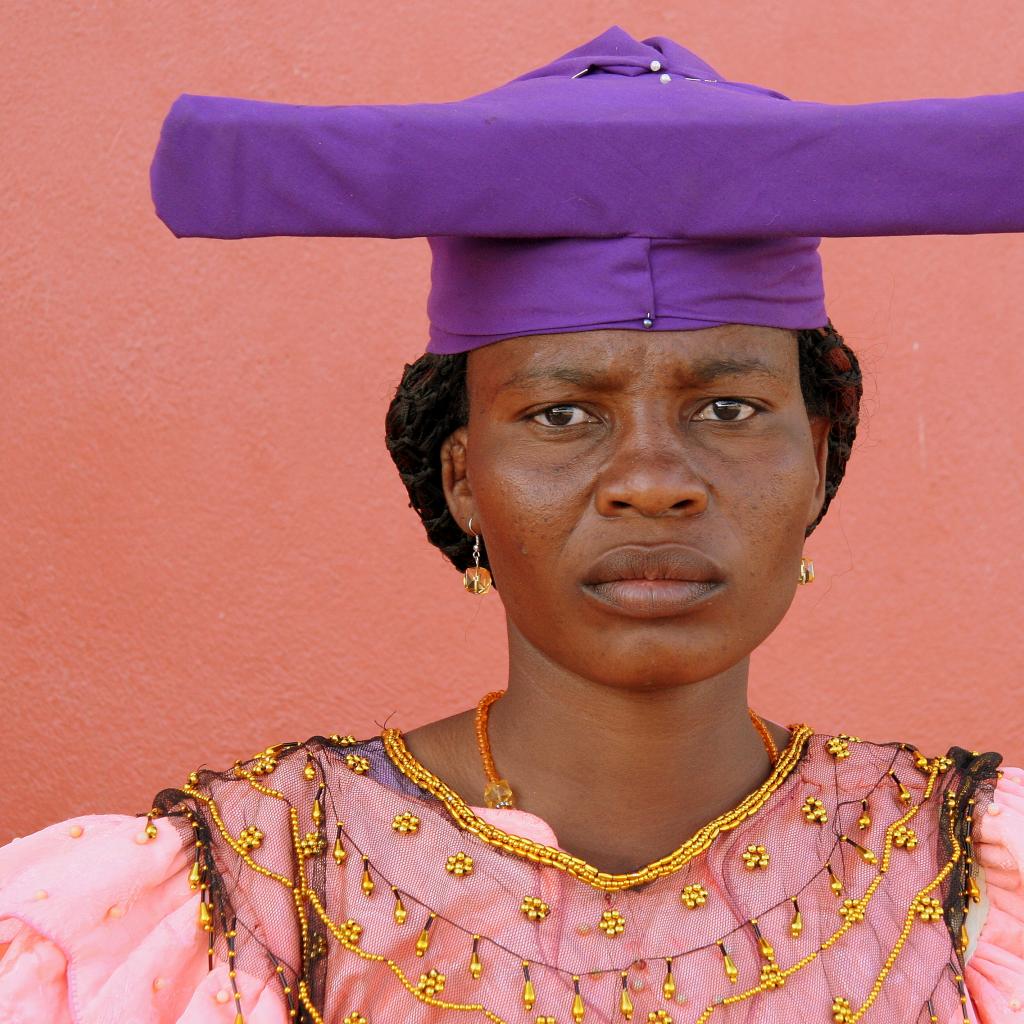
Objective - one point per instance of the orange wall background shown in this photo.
(205, 547)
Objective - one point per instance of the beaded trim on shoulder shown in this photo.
(466, 819)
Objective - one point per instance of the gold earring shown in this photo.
(476, 580)
(806, 571)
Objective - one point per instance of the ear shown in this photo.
(820, 427)
(457, 490)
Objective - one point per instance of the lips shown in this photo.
(647, 562)
(647, 582)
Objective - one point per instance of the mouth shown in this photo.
(651, 599)
(649, 582)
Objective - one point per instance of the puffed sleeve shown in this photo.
(995, 971)
(98, 924)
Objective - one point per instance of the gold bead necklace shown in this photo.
(498, 793)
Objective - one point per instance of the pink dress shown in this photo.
(435, 910)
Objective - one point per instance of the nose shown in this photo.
(651, 473)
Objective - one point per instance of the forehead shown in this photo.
(625, 357)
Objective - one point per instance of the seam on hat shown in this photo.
(652, 312)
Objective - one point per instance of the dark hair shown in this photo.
(431, 402)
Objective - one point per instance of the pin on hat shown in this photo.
(624, 185)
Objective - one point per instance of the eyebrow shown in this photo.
(700, 371)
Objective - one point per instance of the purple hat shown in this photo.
(625, 184)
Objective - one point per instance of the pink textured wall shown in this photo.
(205, 546)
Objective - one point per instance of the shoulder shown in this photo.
(974, 807)
(281, 772)
(995, 971)
(102, 915)
(90, 902)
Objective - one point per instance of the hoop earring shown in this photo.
(476, 579)
(806, 572)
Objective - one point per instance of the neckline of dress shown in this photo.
(466, 818)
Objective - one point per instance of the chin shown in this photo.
(649, 661)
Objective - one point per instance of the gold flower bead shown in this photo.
(459, 864)
(250, 837)
(406, 823)
(755, 856)
(842, 1011)
(431, 983)
(852, 910)
(772, 976)
(534, 908)
(342, 741)
(905, 836)
(359, 764)
(312, 845)
(350, 931)
(694, 895)
(265, 762)
(612, 923)
(317, 947)
(942, 764)
(928, 908)
(838, 747)
(814, 810)
(659, 1017)
(355, 1018)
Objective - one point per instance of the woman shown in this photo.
(633, 423)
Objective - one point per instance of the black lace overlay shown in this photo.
(245, 827)
(966, 794)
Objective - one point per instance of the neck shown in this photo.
(623, 777)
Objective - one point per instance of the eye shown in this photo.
(561, 416)
(727, 410)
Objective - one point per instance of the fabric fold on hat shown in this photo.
(617, 139)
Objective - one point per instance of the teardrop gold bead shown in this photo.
(766, 948)
(834, 883)
(626, 1004)
(205, 917)
(423, 942)
(367, 883)
(529, 995)
(318, 811)
(476, 967)
(972, 890)
(339, 851)
(964, 938)
(732, 972)
(796, 926)
(309, 771)
(668, 988)
(194, 876)
(905, 796)
(578, 1009)
(864, 821)
(400, 912)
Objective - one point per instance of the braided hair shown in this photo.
(432, 401)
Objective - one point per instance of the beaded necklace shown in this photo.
(498, 793)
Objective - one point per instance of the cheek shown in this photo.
(529, 512)
(769, 510)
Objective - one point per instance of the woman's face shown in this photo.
(642, 496)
